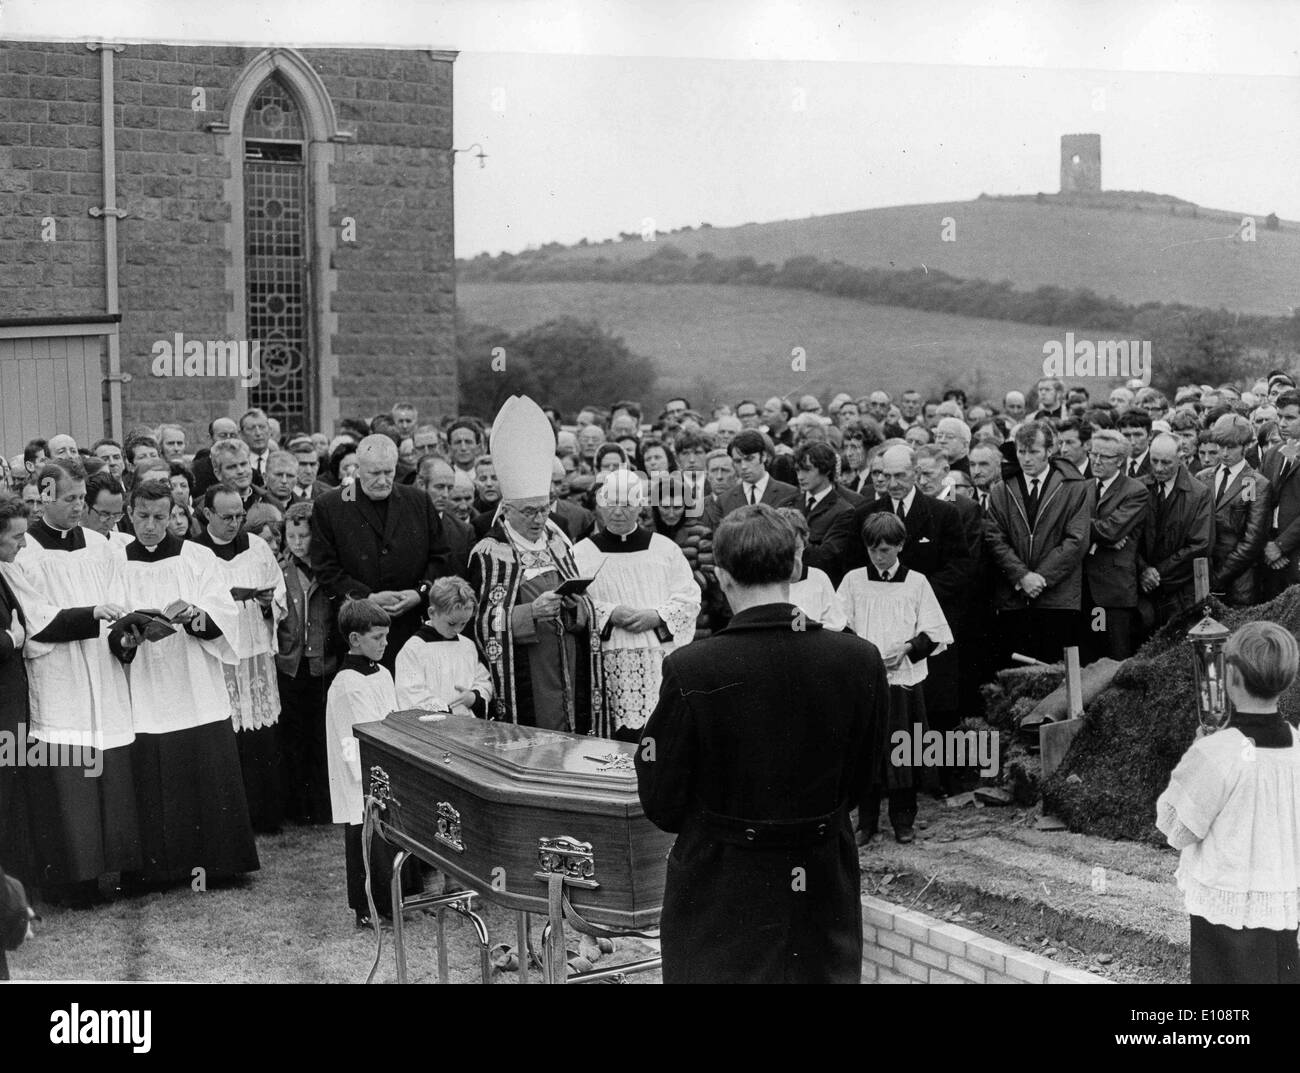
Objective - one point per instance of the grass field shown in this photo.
(1146, 256)
(726, 342)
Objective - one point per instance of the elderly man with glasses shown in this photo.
(545, 664)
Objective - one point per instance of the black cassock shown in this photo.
(360, 546)
(765, 736)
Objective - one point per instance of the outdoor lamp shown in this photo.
(1208, 639)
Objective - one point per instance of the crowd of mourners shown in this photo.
(213, 619)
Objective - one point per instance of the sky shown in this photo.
(599, 115)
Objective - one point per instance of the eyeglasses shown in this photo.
(533, 513)
(228, 518)
(1097, 456)
(108, 516)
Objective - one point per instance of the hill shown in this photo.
(722, 343)
(1134, 247)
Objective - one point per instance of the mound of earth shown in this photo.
(1135, 732)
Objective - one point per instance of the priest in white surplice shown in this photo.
(646, 601)
(245, 561)
(85, 826)
(189, 791)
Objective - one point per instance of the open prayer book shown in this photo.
(155, 624)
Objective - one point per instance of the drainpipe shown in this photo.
(110, 214)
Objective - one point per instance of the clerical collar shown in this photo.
(164, 549)
(52, 539)
(216, 541)
(613, 544)
(429, 632)
(355, 661)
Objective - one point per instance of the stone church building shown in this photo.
(162, 206)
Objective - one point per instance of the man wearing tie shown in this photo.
(858, 443)
(829, 511)
(1110, 585)
(1241, 513)
(1072, 436)
(1179, 530)
(1279, 466)
(1136, 427)
(751, 452)
(1037, 529)
(985, 472)
(255, 430)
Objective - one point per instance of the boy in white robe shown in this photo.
(362, 692)
(439, 668)
(896, 610)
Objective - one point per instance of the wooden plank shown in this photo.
(1073, 684)
(37, 331)
(10, 400)
(56, 368)
(92, 388)
(1054, 742)
(27, 388)
(47, 414)
(1201, 578)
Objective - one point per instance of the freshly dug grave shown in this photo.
(1136, 731)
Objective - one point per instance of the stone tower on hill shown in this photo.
(1080, 163)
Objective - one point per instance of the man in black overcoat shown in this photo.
(765, 736)
(379, 539)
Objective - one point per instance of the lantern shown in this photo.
(1208, 639)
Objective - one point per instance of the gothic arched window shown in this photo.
(277, 244)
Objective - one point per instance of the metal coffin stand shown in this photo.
(489, 803)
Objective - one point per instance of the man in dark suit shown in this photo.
(1136, 426)
(1241, 513)
(1279, 465)
(828, 510)
(435, 477)
(764, 738)
(751, 452)
(1072, 436)
(1179, 530)
(380, 539)
(222, 428)
(1110, 582)
(935, 544)
(858, 443)
(1037, 530)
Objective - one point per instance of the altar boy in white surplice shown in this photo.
(439, 668)
(189, 791)
(646, 602)
(896, 610)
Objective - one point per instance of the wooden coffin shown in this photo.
(492, 803)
